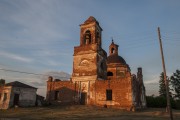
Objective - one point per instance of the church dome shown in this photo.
(114, 58)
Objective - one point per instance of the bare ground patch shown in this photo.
(79, 112)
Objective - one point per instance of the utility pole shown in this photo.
(169, 110)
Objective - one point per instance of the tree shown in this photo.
(162, 86)
(175, 82)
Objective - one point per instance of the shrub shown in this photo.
(160, 102)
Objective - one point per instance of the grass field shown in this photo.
(79, 112)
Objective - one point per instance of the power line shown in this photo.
(29, 73)
(20, 72)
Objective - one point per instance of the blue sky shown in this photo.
(39, 35)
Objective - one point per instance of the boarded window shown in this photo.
(56, 95)
(109, 94)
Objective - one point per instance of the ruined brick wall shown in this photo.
(62, 91)
(121, 92)
(141, 89)
(5, 100)
(139, 92)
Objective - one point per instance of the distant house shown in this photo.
(16, 94)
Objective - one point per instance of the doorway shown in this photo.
(83, 98)
(16, 99)
(56, 97)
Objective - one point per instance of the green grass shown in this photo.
(79, 112)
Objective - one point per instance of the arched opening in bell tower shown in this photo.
(112, 50)
(87, 37)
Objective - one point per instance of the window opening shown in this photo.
(87, 37)
(109, 74)
(56, 95)
(109, 94)
(112, 50)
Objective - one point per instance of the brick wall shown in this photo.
(121, 92)
(62, 91)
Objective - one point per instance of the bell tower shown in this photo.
(89, 59)
(90, 32)
(113, 48)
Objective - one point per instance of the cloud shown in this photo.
(16, 57)
(58, 75)
(39, 84)
(155, 81)
(34, 25)
(38, 81)
(152, 85)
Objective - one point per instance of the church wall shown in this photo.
(62, 91)
(69, 92)
(84, 65)
(113, 70)
(121, 92)
(89, 60)
(119, 71)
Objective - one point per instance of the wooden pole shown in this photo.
(169, 110)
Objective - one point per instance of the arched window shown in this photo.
(112, 50)
(87, 37)
(109, 74)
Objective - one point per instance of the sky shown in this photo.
(38, 36)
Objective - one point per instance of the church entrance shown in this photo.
(83, 100)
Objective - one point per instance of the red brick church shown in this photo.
(98, 79)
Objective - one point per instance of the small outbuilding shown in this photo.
(16, 94)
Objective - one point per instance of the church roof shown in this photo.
(115, 58)
(90, 19)
(19, 84)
